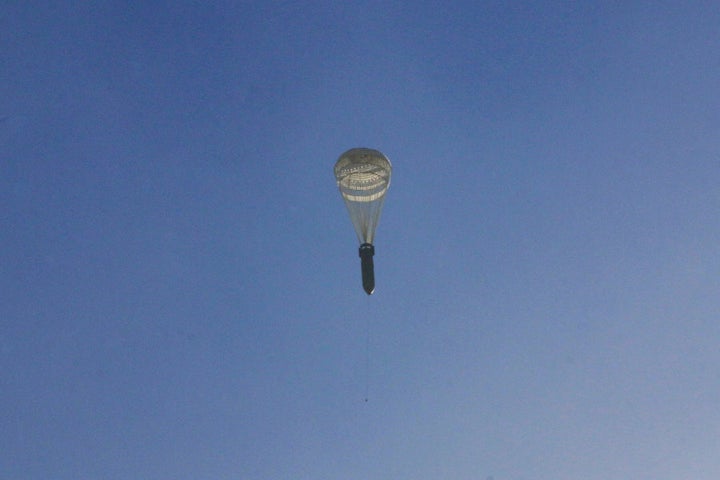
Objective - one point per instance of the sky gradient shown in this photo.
(180, 290)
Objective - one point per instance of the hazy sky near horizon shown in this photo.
(180, 290)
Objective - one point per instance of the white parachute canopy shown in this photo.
(363, 177)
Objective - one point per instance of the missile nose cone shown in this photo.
(368, 271)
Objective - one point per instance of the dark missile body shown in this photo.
(368, 270)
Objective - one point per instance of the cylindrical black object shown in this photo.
(368, 271)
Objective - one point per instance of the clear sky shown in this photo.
(180, 292)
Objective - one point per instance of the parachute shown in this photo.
(363, 177)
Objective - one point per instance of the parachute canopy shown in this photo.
(363, 177)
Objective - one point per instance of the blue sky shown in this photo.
(180, 284)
